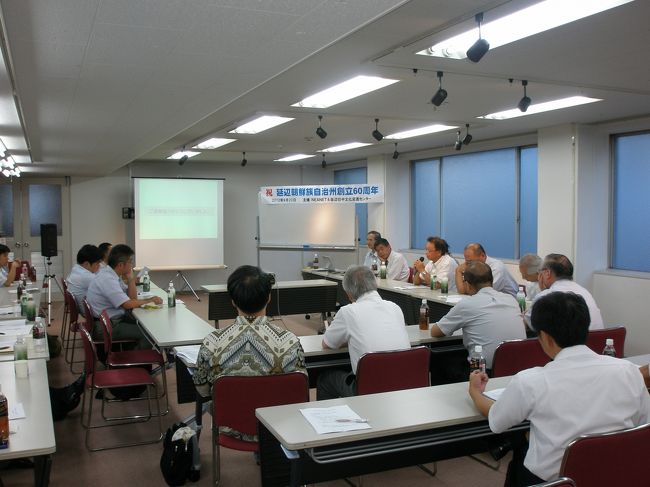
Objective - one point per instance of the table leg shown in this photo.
(42, 467)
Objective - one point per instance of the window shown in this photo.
(6, 211)
(488, 197)
(631, 218)
(358, 175)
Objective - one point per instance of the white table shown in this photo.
(34, 435)
(8, 300)
(407, 427)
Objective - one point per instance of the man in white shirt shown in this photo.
(579, 392)
(109, 292)
(368, 324)
(502, 280)
(556, 274)
(7, 270)
(441, 264)
(371, 257)
(396, 266)
(529, 266)
(83, 272)
(487, 317)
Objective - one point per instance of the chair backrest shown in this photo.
(561, 482)
(616, 458)
(513, 356)
(71, 304)
(107, 328)
(64, 284)
(393, 370)
(90, 352)
(596, 339)
(235, 398)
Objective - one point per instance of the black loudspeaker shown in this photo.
(48, 240)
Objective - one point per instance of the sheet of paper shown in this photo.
(335, 419)
(15, 331)
(16, 411)
(454, 298)
(12, 323)
(494, 394)
(189, 353)
(406, 287)
(8, 310)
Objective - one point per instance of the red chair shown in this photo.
(596, 339)
(607, 459)
(393, 370)
(561, 482)
(107, 379)
(513, 356)
(72, 330)
(235, 399)
(130, 358)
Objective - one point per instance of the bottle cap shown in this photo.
(424, 301)
(478, 348)
(609, 341)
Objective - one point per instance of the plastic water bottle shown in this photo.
(521, 299)
(38, 335)
(476, 359)
(171, 295)
(383, 270)
(424, 315)
(433, 280)
(609, 348)
(315, 263)
(374, 266)
(4, 421)
(146, 282)
(444, 285)
(30, 308)
(23, 303)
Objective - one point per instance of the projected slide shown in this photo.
(178, 222)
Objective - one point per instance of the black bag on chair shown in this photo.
(177, 462)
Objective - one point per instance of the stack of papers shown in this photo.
(15, 328)
(188, 353)
(335, 419)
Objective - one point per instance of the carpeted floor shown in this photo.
(138, 466)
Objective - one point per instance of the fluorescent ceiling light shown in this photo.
(295, 157)
(357, 86)
(339, 148)
(537, 18)
(188, 153)
(260, 124)
(429, 129)
(213, 143)
(571, 101)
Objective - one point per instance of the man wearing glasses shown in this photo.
(556, 274)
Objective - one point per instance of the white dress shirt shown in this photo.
(4, 273)
(107, 292)
(397, 267)
(569, 286)
(487, 319)
(370, 324)
(532, 290)
(78, 281)
(579, 392)
(501, 278)
(371, 256)
(445, 266)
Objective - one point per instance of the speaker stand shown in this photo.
(47, 283)
(186, 283)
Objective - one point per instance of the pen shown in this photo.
(345, 420)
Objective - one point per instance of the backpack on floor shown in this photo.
(178, 462)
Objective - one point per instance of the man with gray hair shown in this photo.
(529, 266)
(368, 324)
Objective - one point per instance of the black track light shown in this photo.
(377, 135)
(441, 94)
(468, 137)
(183, 158)
(320, 131)
(524, 103)
(395, 153)
(243, 161)
(481, 46)
(459, 143)
(323, 163)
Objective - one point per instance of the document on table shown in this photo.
(335, 419)
(11, 309)
(16, 411)
(494, 394)
(406, 287)
(454, 298)
(189, 354)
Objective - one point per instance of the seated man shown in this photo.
(104, 250)
(529, 266)
(579, 392)
(396, 266)
(108, 291)
(502, 280)
(368, 324)
(487, 317)
(371, 257)
(83, 272)
(7, 270)
(251, 345)
(440, 264)
(556, 274)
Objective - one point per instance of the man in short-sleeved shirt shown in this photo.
(441, 264)
(371, 256)
(368, 324)
(396, 266)
(501, 278)
(7, 270)
(109, 292)
(579, 392)
(486, 316)
(83, 272)
(529, 266)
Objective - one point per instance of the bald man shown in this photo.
(502, 281)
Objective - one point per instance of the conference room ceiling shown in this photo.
(103, 83)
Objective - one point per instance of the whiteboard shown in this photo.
(325, 225)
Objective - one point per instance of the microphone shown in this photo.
(421, 259)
